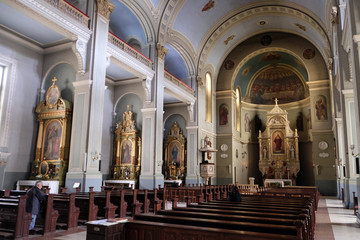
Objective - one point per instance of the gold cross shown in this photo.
(54, 80)
(276, 101)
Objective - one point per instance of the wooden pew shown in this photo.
(86, 203)
(105, 208)
(135, 229)
(155, 200)
(291, 231)
(68, 212)
(14, 220)
(143, 197)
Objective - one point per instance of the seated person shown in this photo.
(235, 195)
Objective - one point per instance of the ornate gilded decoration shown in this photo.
(161, 51)
(278, 147)
(174, 164)
(226, 42)
(105, 8)
(127, 149)
(52, 149)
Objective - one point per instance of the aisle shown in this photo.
(333, 222)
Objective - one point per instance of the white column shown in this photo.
(193, 156)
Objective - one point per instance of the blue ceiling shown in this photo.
(175, 64)
(124, 23)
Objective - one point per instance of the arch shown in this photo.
(135, 103)
(66, 75)
(169, 121)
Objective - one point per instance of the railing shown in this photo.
(70, 11)
(128, 49)
(178, 82)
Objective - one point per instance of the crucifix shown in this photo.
(276, 101)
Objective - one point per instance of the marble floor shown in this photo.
(333, 222)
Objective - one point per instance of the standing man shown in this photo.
(34, 201)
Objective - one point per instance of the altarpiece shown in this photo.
(127, 149)
(279, 147)
(53, 141)
(174, 164)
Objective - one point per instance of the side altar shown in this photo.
(127, 152)
(53, 140)
(279, 147)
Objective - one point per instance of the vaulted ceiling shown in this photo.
(200, 34)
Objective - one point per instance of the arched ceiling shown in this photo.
(209, 30)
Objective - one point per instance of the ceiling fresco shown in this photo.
(276, 81)
(263, 60)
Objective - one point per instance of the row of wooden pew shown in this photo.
(67, 210)
(284, 213)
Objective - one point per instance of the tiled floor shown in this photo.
(333, 222)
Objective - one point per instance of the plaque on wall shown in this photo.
(53, 141)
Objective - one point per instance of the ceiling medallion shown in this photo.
(208, 6)
(266, 40)
(309, 53)
(262, 23)
(229, 64)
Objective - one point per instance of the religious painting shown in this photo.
(223, 114)
(52, 136)
(277, 82)
(44, 167)
(175, 153)
(278, 142)
(320, 108)
(126, 152)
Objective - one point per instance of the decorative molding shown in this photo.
(146, 83)
(105, 8)
(334, 15)
(218, 30)
(79, 47)
(161, 51)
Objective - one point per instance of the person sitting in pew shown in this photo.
(235, 195)
(35, 201)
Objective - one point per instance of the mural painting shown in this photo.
(223, 114)
(52, 140)
(320, 108)
(277, 82)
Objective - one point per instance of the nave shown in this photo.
(333, 222)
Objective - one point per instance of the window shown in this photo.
(237, 109)
(208, 97)
(7, 85)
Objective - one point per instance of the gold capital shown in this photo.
(105, 8)
(161, 51)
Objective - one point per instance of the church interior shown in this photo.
(149, 93)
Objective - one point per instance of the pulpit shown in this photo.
(279, 147)
(207, 169)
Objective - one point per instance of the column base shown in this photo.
(151, 181)
(86, 179)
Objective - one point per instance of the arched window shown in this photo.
(237, 109)
(208, 97)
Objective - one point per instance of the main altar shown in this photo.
(279, 147)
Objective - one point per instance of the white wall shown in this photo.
(22, 125)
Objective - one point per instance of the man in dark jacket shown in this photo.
(34, 201)
(235, 195)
